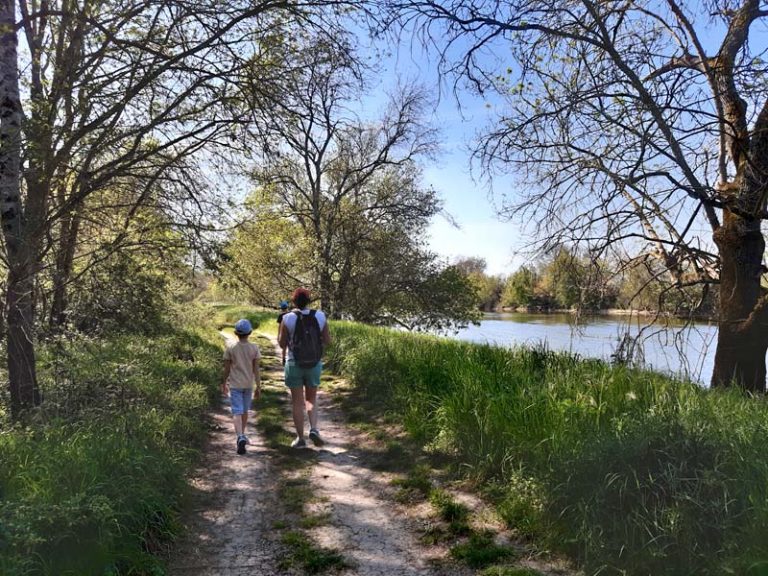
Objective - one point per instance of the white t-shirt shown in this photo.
(289, 321)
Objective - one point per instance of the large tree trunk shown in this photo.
(743, 334)
(19, 299)
(22, 374)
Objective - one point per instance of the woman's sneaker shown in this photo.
(314, 435)
(241, 445)
(298, 443)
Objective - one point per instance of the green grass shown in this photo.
(626, 471)
(479, 551)
(295, 493)
(270, 419)
(455, 514)
(310, 558)
(94, 483)
(262, 320)
(416, 485)
(315, 520)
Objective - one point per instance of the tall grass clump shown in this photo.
(628, 471)
(92, 482)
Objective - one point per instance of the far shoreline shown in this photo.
(602, 312)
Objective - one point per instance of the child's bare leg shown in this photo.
(297, 404)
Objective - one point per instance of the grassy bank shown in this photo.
(626, 471)
(91, 484)
(262, 320)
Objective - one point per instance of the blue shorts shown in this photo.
(240, 400)
(296, 376)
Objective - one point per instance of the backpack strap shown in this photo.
(299, 324)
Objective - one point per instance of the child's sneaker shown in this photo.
(314, 435)
(298, 443)
(241, 445)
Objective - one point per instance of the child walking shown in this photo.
(241, 373)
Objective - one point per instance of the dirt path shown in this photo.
(377, 537)
(233, 509)
(236, 509)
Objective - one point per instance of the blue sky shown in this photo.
(467, 200)
(480, 232)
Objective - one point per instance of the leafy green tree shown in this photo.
(640, 289)
(520, 288)
(562, 279)
(340, 205)
(488, 288)
(388, 278)
(266, 257)
(117, 95)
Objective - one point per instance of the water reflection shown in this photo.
(683, 350)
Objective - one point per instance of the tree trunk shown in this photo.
(65, 255)
(326, 290)
(743, 335)
(19, 299)
(21, 349)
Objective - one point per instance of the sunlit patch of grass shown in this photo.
(579, 446)
(435, 534)
(416, 485)
(99, 480)
(303, 554)
(315, 520)
(480, 550)
(448, 509)
(295, 493)
(520, 505)
(270, 419)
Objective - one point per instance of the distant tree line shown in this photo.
(567, 280)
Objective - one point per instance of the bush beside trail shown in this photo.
(93, 481)
(627, 471)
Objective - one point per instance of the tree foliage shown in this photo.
(341, 203)
(633, 128)
(136, 96)
(519, 288)
(488, 288)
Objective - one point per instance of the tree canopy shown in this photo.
(341, 206)
(633, 128)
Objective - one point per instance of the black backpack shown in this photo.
(307, 344)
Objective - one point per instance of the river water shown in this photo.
(686, 351)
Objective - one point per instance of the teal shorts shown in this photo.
(296, 376)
